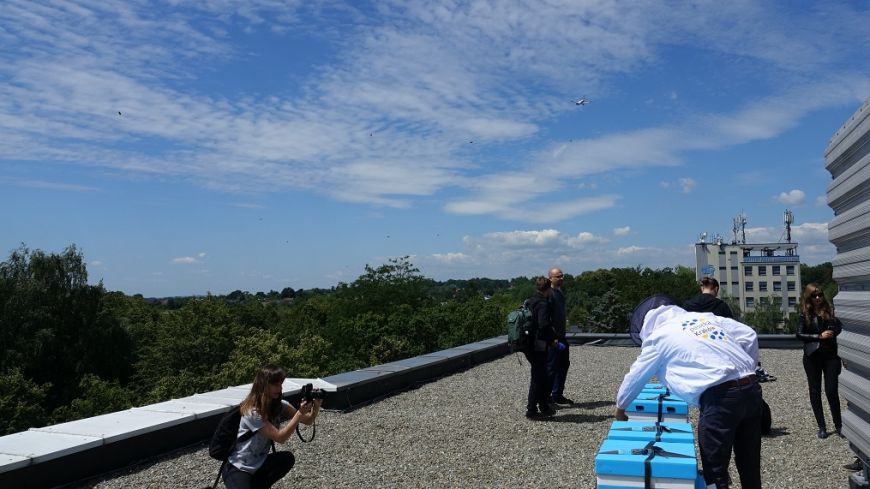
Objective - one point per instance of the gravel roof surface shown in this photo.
(469, 430)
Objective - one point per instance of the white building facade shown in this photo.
(751, 273)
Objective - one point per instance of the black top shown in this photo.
(809, 331)
(558, 317)
(543, 310)
(708, 303)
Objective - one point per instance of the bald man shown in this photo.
(558, 359)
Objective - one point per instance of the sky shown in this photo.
(203, 147)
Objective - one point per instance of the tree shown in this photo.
(288, 293)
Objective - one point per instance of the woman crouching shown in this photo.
(250, 463)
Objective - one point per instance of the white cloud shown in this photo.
(687, 184)
(184, 260)
(623, 231)
(632, 250)
(792, 197)
(95, 263)
(821, 201)
(426, 78)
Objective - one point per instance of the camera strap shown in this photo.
(313, 432)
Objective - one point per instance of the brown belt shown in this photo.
(739, 382)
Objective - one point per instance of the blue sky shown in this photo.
(193, 147)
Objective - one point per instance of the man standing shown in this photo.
(709, 362)
(707, 300)
(558, 360)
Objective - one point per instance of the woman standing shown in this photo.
(536, 354)
(250, 463)
(818, 329)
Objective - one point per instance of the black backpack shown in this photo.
(224, 439)
(226, 435)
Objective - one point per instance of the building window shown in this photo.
(777, 300)
(762, 270)
(750, 302)
(789, 269)
(749, 287)
(747, 271)
(775, 270)
(762, 286)
(722, 269)
(777, 286)
(789, 286)
(792, 301)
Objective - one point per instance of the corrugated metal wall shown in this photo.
(848, 159)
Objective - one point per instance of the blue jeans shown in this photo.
(730, 418)
(558, 362)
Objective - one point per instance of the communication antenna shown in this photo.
(702, 238)
(787, 218)
(739, 225)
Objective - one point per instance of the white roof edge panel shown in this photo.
(13, 462)
(119, 425)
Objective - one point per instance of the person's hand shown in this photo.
(561, 346)
(620, 415)
(826, 334)
(304, 408)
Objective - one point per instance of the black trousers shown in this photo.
(539, 385)
(558, 362)
(730, 418)
(815, 365)
(276, 466)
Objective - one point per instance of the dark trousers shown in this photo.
(276, 466)
(557, 369)
(539, 387)
(730, 418)
(821, 362)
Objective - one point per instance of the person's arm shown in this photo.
(280, 435)
(546, 332)
(745, 337)
(802, 333)
(644, 367)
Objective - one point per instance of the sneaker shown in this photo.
(854, 466)
(563, 400)
(823, 433)
(548, 411)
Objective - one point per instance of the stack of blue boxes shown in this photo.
(655, 448)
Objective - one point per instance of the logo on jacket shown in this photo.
(704, 329)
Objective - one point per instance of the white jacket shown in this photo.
(689, 352)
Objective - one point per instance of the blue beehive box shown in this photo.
(658, 408)
(651, 431)
(651, 394)
(620, 464)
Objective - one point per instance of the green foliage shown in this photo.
(70, 349)
(96, 396)
(766, 317)
(22, 402)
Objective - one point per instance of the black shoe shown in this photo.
(533, 415)
(823, 433)
(548, 411)
(854, 466)
(563, 400)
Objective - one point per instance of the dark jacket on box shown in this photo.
(708, 303)
(809, 330)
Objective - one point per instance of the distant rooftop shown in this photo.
(468, 430)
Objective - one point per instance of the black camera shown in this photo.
(309, 393)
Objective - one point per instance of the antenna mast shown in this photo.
(788, 218)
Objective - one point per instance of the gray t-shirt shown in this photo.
(250, 454)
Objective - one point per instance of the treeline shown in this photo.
(70, 350)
